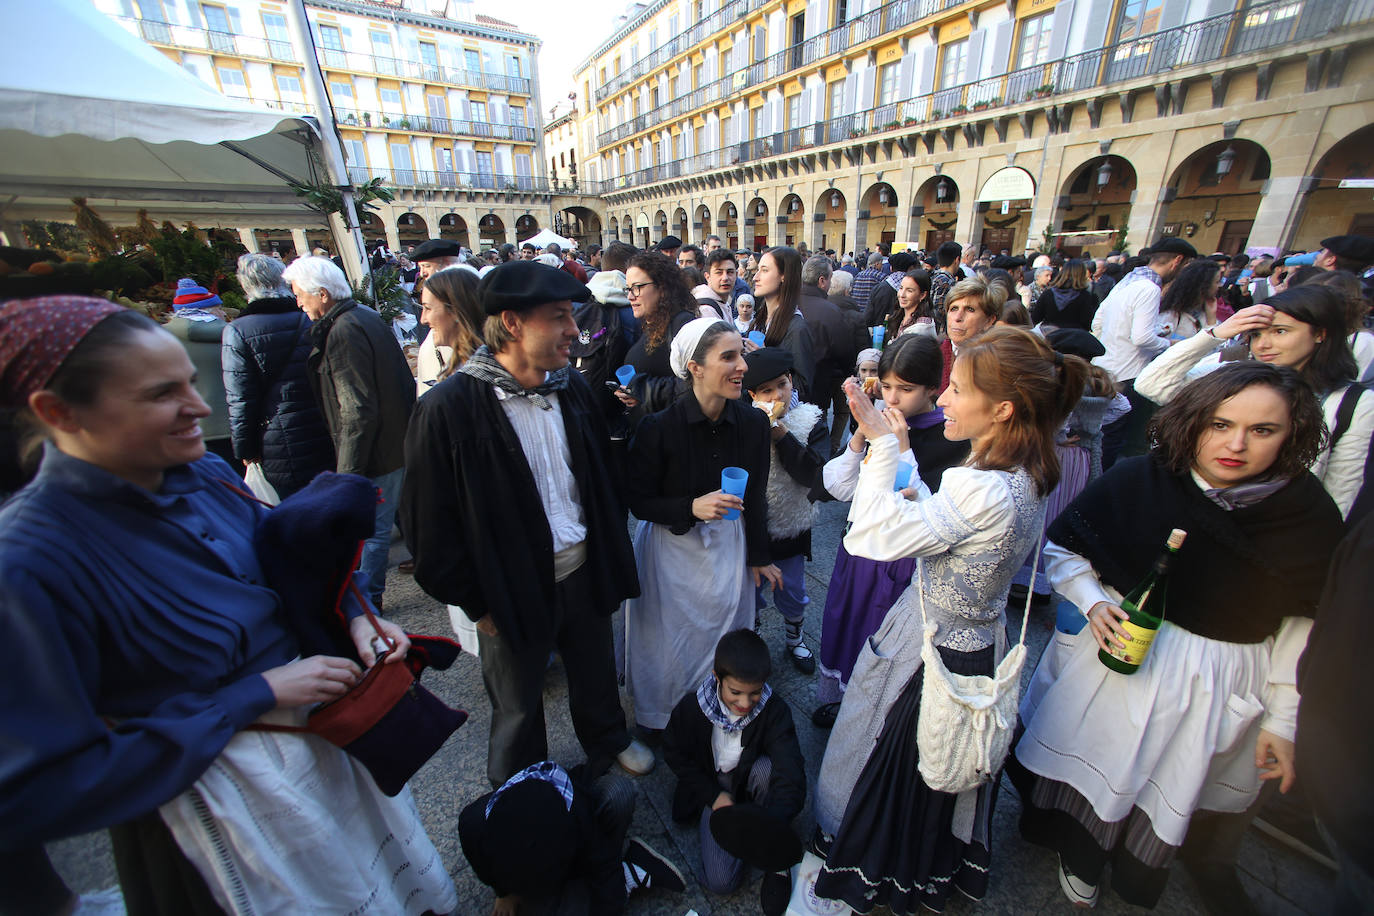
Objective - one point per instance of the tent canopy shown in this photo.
(112, 119)
(546, 237)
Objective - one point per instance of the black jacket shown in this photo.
(882, 302)
(273, 415)
(655, 385)
(687, 750)
(473, 519)
(677, 455)
(1065, 308)
(365, 387)
(593, 858)
(833, 342)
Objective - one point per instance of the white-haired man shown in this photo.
(366, 393)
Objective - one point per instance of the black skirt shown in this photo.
(894, 847)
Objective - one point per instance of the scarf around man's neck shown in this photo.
(482, 365)
(708, 698)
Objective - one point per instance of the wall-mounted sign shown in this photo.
(1008, 184)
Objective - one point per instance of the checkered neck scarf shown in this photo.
(1147, 273)
(484, 367)
(708, 698)
(549, 772)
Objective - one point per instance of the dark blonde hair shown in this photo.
(991, 296)
(456, 290)
(1042, 386)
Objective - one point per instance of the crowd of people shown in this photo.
(1002, 428)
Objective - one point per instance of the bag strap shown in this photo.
(276, 373)
(1030, 589)
(1345, 413)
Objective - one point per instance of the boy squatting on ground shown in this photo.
(739, 766)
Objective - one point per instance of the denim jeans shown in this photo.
(377, 549)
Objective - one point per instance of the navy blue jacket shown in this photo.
(273, 415)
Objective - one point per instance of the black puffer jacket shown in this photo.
(273, 415)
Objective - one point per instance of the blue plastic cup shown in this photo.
(756, 337)
(733, 482)
(903, 476)
(879, 333)
(625, 375)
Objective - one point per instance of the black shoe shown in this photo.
(658, 871)
(775, 892)
(825, 715)
(802, 659)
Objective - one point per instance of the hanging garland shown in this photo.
(943, 226)
(1003, 224)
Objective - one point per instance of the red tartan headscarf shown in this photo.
(36, 335)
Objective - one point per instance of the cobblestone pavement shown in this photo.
(1023, 880)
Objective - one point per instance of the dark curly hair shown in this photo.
(1187, 293)
(1178, 427)
(674, 295)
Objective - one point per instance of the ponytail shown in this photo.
(1043, 386)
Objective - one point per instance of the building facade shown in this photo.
(1009, 124)
(443, 107)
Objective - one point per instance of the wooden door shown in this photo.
(1234, 234)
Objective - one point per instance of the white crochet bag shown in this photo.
(966, 721)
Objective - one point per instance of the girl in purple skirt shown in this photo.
(862, 590)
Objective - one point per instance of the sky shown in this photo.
(570, 32)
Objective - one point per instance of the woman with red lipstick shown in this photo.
(145, 642)
(1112, 767)
(1303, 328)
(698, 567)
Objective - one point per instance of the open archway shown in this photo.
(491, 232)
(661, 224)
(756, 224)
(831, 213)
(581, 224)
(1215, 193)
(936, 211)
(727, 224)
(791, 220)
(411, 229)
(684, 228)
(1340, 203)
(1094, 206)
(454, 228)
(613, 229)
(642, 230)
(526, 226)
(878, 216)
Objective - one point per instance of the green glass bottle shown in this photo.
(1145, 605)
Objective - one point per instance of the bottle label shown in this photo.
(1139, 646)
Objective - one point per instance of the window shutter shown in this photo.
(1063, 22)
(974, 71)
(1000, 51)
(926, 72)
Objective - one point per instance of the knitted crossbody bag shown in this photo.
(966, 721)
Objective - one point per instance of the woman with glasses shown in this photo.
(662, 302)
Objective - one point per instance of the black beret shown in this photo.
(766, 364)
(668, 243)
(1075, 342)
(1173, 245)
(1007, 262)
(531, 839)
(436, 248)
(1358, 248)
(520, 285)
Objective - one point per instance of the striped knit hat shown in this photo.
(190, 295)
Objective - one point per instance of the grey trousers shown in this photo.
(722, 872)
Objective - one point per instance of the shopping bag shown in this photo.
(258, 485)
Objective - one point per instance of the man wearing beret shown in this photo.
(1353, 253)
(435, 255)
(511, 514)
(1127, 323)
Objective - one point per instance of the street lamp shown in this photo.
(794, 206)
(942, 190)
(882, 196)
(758, 211)
(834, 199)
(1104, 173)
(1225, 161)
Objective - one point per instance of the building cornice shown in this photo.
(622, 33)
(397, 14)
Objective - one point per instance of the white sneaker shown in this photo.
(1080, 893)
(637, 759)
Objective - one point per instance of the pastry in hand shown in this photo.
(871, 386)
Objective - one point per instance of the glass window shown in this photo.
(381, 44)
(479, 112)
(954, 64)
(354, 152)
(289, 85)
(794, 112)
(513, 67)
(391, 98)
(231, 81)
(331, 37)
(698, 76)
(517, 117)
(429, 54)
(443, 158)
(887, 83)
(216, 19)
(1139, 17)
(835, 99)
(1035, 41)
(841, 12)
(400, 158)
(653, 40)
(727, 131)
(760, 42)
(672, 26)
(341, 92)
(275, 24)
(472, 60)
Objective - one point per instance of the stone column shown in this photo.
(249, 238)
(300, 241)
(1280, 211)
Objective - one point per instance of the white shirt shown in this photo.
(726, 747)
(1127, 323)
(545, 443)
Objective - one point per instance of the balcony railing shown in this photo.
(873, 24)
(197, 39)
(1242, 32)
(457, 127)
(458, 181)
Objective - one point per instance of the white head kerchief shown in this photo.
(686, 342)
